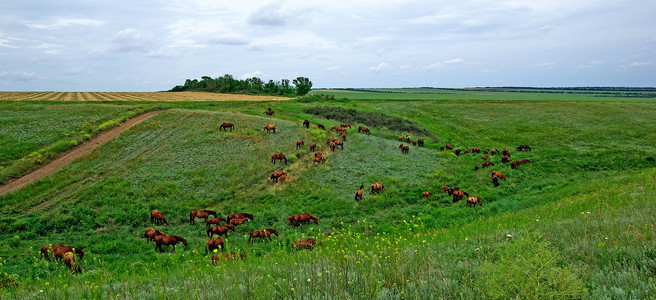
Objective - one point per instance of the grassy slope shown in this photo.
(172, 163)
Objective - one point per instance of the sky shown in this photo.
(90, 45)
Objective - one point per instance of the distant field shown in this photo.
(485, 94)
(131, 96)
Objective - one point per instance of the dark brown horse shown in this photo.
(505, 151)
(277, 175)
(303, 218)
(318, 153)
(157, 217)
(506, 159)
(457, 152)
(343, 135)
(377, 187)
(151, 233)
(321, 126)
(494, 151)
(523, 147)
(420, 142)
(299, 144)
(313, 146)
(216, 221)
(306, 123)
(168, 240)
(269, 128)
(240, 216)
(279, 157)
(71, 262)
(487, 164)
(471, 201)
(266, 233)
(307, 244)
(457, 195)
(364, 129)
(515, 164)
(404, 149)
(495, 180)
(201, 214)
(225, 126)
(214, 244)
(358, 193)
(220, 230)
(407, 138)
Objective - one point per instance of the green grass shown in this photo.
(587, 157)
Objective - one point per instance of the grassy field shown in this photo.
(578, 222)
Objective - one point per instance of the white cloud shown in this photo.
(63, 22)
(454, 61)
(269, 15)
(379, 67)
(258, 74)
(228, 39)
(334, 69)
(640, 63)
(17, 75)
(546, 65)
(130, 40)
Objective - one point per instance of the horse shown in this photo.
(306, 123)
(337, 128)
(457, 195)
(484, 157)
(476, 150)
(343, 135)
(313, 146)
(523, 147)
(494, 151)
(400, 138)
(71, 262)
(320, 126)
(59, 250)
(269, 112)
(358, 193)
(466, 151)
(304, 218)
(308, 244)
(345, 125)
(266, 233)
(277, 174)
(515, 164)
(444, 188)
(279, 157)
(487, 164)
(476, 168)
(225, 126)
(226, 256)
(505, 151)
(151, 233)
(338, 143)
(407, 138)
(364, 129)
(299, 143)
(486, 151)
(168, 240)
(506, 159)
(452, 190)
(426, 194)
(441, 148)
(220, 230)
(498, 174)
(377, 187)
(495, 180)
(404, 149)
(216, 221)
(238, 221)
(471, 201)
(201, 214)
(318, 153)
(332, 145)
(298, 154)
(414, 143)
(319, 159)
(420, 142)
(240, 216)
(214, 244)
(157, 217)
(458, 152)
(268, 128)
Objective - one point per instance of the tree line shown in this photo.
(254, 85)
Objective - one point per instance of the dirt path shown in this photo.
(69, 157)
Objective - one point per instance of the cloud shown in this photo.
(229, 39)
(546, 65)
(257, 74)
(130, 40)
(334, 69)
(640, 63)
(438, 65)
(18, 76)
(379, 67)
(589, 64)
(60, 23)
(269, 15)
(453, 61)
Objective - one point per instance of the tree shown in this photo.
(303, 85)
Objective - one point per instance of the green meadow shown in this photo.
(576, 222)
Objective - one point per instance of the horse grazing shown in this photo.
(414, 143)
(487, 164)
(377, 187)
(337, 128)
(214, 244)
(201, 214)
(306, 123)
(157, 217)
(426, 194)
(303, 218)
(299, 144)
(457, 195)
(505, 151)
(441, 148)
(452, 190)
(59, 250)
(307, 244)
(458, 152)
(404, 149)
(471, 201)
(495, 180)
(318, 153)
(476, 150)
(277, 174)
(226, 256)
(319, 159)
(240, 216)
(420, 143)
(298, 154)
(400, 138)
(449, 146)
(151, 234)
(220, 230)
(238, 221)
(269, 128)
(338, 143)
(444, 188)
(364, 129)
(279, 157)
(216, 221)
(506, 159)
(494, 151)
(466, 151)
(345, 125)
(486, 151)
(168, 240)
(71, 262)
(358, 193)
(266, 233)
(407, 138)
(484, 157)
(321, 126)
(269, 112)
(515, 164)
(523, 147)
(225, 126)
(313, 146)
(476, 168)
(498, 174)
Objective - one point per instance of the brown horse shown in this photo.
(225, 126)
(523, 147)
(226, 256)
(236, 222)
(71, 262)
(151, 233)
(471, 201)
(505, 151)
(240, 216)
(299, 144)
(220, 230)
(515, 164)
(364, 129)
(494, 151)
(321, 126)
(338, 143)
(345, 125)
(319, 159)
(414, 143)
(486, 151)
(307, 244)
(506, 159)
(214, 244)
(269, 112)
(201, 214)
(487, 164)
(457, 195)
(318, 153)
(332, 145)
(266, 233)
(216, 221)
(498, 174)
(269, 128)
(476, 150)
(466, 151)
(495, 180)
(59, 250)
(476, 168)
(377, 187)
(157, 217)
(426, 194)
(484, 157)
(337, 128)
(407, 138)
(444, 188)
(303, 218)
(313, 146)
(298, 154)
(404, 149)
(420, 142)
(306, 123)
(441, 148)
(400, 138)
(358, 193)
(279, 157)
(457, 152)
(343, 135)
(277, 174)
(168, 240)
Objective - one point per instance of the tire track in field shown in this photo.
(69, 157)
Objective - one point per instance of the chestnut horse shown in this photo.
(71, 262)
(476, 150)
(364, 129)
(214, 244)
(268, 128)
(306, 123)
(216, 221)
(358, 193)
(304, 218)
(345, 125)
(494, 151)
(168, 240)
(515, 164)
(487, 164)
(523, 147)
(337, 128)
(319, 159)
(426, 194)
(471, 201)
(505, 159)
(236, 222)
(299, 144)
(59, 250)
(225, 126)
(404, 149)
(279, 157)
(377, 187)
(307, 244)
(157, 217)
(498, 174)
(220, 230)
(343, 135)
(151, 233)
(277, 175)
(484, 157)
(240, 216)
(313, 146)
(201, 214)
(495, 180)
(457, 195)
(266, 233)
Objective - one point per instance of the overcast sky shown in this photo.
(89, 45)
